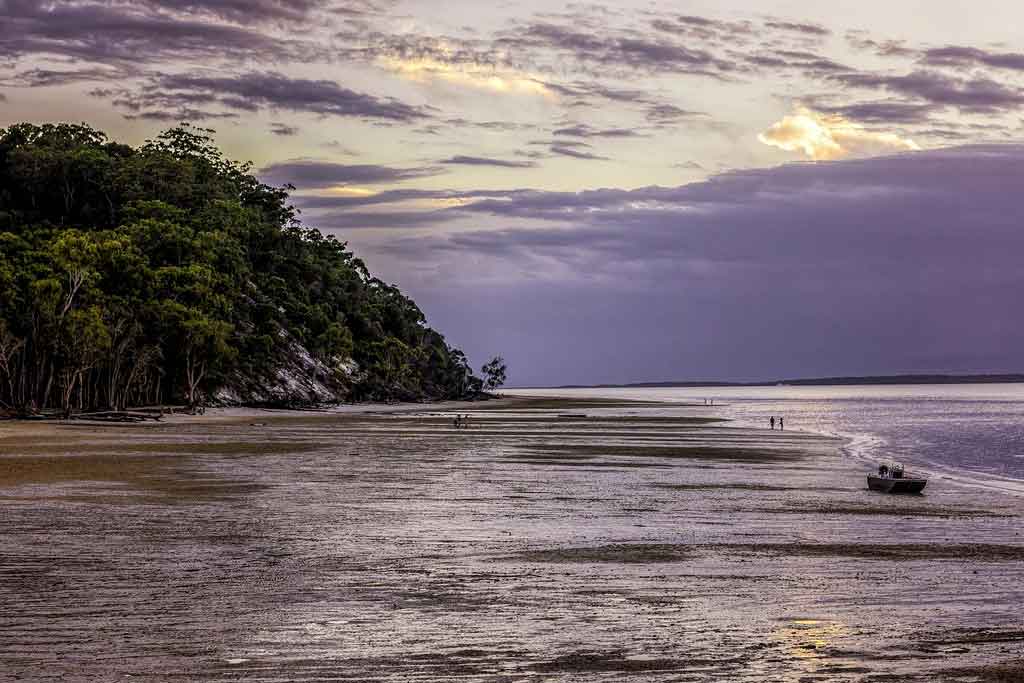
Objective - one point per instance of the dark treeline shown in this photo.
(164, 273)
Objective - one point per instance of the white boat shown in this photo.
(892, 479)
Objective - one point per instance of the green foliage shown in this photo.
(495, 373)
(165, 272)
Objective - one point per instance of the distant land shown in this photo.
(814, 382)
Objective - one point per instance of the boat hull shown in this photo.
(891, 485)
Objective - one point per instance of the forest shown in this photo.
(168, 274)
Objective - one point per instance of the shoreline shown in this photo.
(552, 536)
(220, 413)
(894, 437)
(255, 416)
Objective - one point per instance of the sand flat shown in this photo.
(624, 541)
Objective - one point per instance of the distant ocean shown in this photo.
(973, 433)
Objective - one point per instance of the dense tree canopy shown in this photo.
(495, 372)
(167, 273)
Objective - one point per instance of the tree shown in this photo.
(494, 372)
(167, 271)
(83, 341)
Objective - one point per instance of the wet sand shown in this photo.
(551, 541)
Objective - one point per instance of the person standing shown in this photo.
(782, 425)
(771, 421)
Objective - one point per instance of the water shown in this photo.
(973, 433)
(535, 546)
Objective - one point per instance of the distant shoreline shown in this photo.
(869, 380)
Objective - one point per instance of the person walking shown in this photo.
(782, 425)
(771, 421)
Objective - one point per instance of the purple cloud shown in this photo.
(669, 113)
(972, 94)
(972, 56)
(582, 130)
(131, 34)
(571, 151)
(283, 129)
(886, 112)
(252, 92)
(806, 29)
(242, 11)
(276, 91)
(308, 174)
(752, 274)
(610, 47)
(463, 160)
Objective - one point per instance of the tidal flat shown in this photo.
(550, 541)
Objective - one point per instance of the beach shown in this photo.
(553, 539)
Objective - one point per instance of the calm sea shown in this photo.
(973, 433)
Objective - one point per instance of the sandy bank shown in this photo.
(378, 542)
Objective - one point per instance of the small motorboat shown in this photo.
(892, 479)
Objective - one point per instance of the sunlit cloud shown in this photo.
(830, 136)
(348, 191)
(479, 76)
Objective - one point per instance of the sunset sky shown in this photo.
(629, 191)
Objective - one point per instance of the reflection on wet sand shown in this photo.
(619, 541)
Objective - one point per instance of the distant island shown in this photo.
(168, 274)
(867, 380)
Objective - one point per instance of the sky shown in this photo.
(605, 193)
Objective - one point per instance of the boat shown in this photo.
(892, 479)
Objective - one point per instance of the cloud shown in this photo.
(752, 274)
(41, 78)
(669, 113)
(822, 136)
(564, 150)
(183, 114)
(970, 94)
(706, 29)
(889, 111)
(254, 91)
(129, 34)
(585, 91)
(502, 126)
(443, 59)
(800, 60)
(242, 11)
(484, 77)
(277, 91)
(451, 198)
(582, 130)
(623, 49)
(308, 174)
(283, 129)
(462, 160)
(860, 40)
(806, 29)
(972, 56)
(391, 220)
